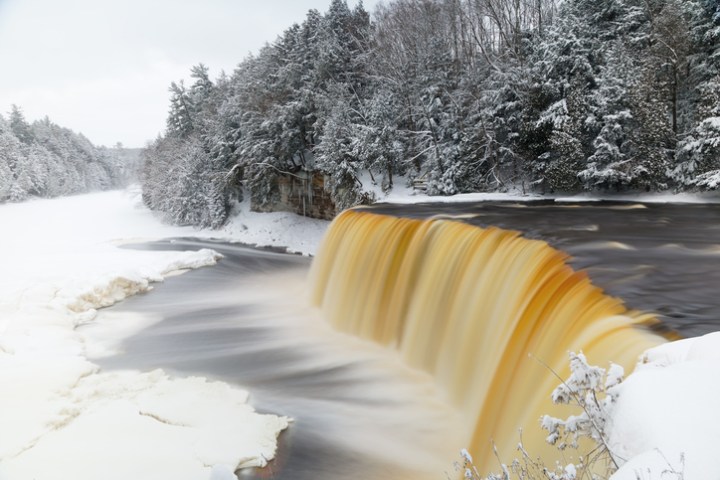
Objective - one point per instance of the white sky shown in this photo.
(103, 67)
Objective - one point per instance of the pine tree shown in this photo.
(611, 121)
(698, 151)
(180, 119)
(39, 161)
(380, 147)
(339, 157)
(553, 132)
(19, 126)
(9, 150)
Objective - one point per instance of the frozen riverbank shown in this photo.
(59, 414)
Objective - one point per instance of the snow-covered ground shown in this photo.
(60, 416)
(667, 420)
(296, 233)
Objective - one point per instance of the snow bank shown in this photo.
(405, 196)
(296, 233)
(60, 416)
(108, 290)
(666, 421)
(145, 425)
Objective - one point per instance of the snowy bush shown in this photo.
(442, 182)
(590, 388)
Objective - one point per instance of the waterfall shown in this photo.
(489, 314)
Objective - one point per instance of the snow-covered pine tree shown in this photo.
(379, 142)
(19, 126)
(563, 73)
(180, 119)
(698, 153)
(9, 152)
(611, 121)
(40, 164)
(339, 157)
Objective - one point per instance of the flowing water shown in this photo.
(363, 410)
(358, 411)
(662, 258)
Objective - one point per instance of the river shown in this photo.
(359, 413)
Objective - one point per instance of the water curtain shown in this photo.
(489, 314)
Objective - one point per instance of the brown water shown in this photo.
(360, 411)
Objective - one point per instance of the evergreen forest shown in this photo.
(43, 159)
(457, 96)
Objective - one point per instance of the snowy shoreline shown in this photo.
(407, 197)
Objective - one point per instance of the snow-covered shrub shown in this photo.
(590, 388)
(443, 182)
(522, 469)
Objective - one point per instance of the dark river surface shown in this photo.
(358, 412)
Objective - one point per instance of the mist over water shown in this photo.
(359, 411)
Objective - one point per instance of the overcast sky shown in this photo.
(103, 67)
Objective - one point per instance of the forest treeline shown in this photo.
(42, 159)
(467, 95)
